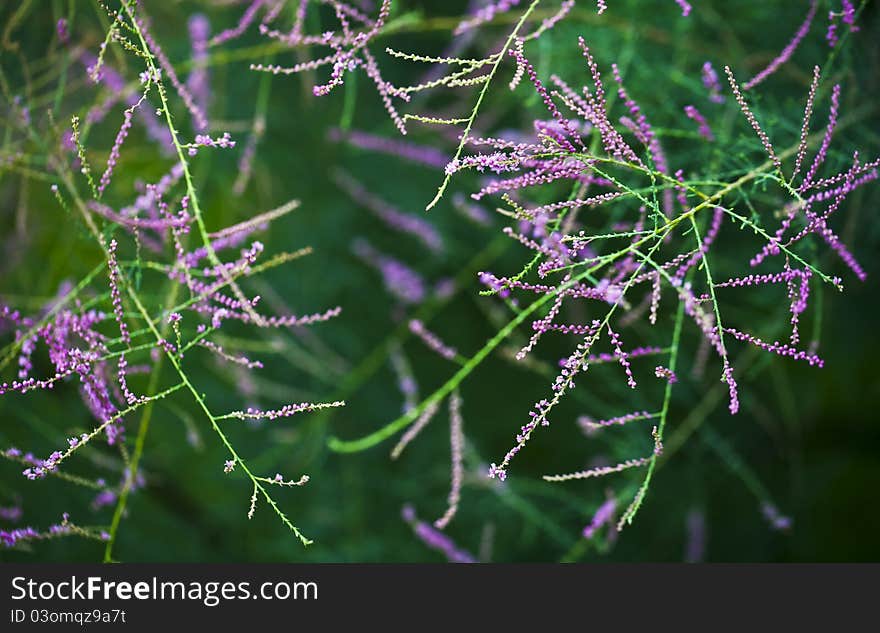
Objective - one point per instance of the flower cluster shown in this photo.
(645, 249)
(615, 233)
(103, 333)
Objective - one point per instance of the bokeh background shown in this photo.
(808, 440)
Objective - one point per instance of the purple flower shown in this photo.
(777, 520)
(695, 546)
(198, 81)
(786, 52)
(435, 539)
(61, 31)
(11, 514)
(244, 22)
(199, 120)
(695, 115)
(711, 82)
(432, 340)
(391, 216)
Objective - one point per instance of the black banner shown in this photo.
(564, 597)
